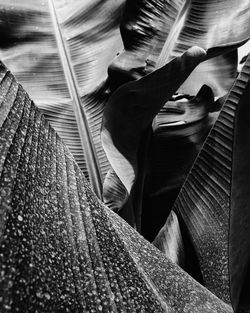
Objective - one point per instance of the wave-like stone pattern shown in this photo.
(61, 249)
